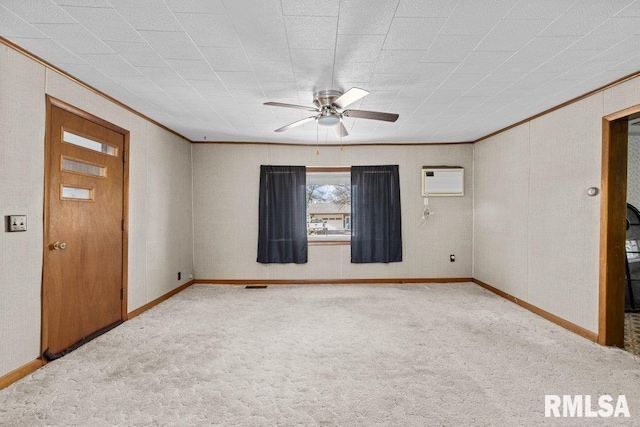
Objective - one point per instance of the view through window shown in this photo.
(329, 205)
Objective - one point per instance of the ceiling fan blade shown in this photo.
(341, 131)
(373, 115)
(299, 107)
(349, 97)
(296, 124)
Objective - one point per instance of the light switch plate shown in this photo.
(17, 223)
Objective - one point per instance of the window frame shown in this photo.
(329, 169)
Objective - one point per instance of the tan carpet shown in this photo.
(414, 355)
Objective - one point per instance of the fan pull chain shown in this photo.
(317, 140)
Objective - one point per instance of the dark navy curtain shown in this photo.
(282, 235)
(376, 234)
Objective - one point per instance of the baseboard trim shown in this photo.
(332, 281)
(138, 311)
(592, 336)
(24, 370)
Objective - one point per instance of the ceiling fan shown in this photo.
(330, 109)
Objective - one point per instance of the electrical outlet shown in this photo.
(452, 258)
(17, 223)
(179, 275)
(190, 276)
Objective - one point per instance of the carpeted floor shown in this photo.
(414, 355)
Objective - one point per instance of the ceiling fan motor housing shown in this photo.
(323, 100)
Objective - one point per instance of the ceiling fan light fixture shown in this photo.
(329, 120)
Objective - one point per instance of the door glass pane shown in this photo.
(73, 165)
(77, 193)
(81, 141)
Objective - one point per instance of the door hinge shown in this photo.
(121, 293)
(124, 156)
(122, 225)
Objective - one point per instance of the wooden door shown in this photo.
(84, 223)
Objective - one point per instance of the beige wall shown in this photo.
(160, 203)
(536, 232)
(226, 181)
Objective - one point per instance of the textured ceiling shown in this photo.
(453, 70)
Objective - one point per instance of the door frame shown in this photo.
(613, 214)
(54, 102)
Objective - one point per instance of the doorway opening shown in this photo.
(616, 228)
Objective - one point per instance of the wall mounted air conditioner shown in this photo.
(442, 181)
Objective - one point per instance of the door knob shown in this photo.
(59, 246)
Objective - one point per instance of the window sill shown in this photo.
(328, 242)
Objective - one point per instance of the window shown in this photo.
(329, 205)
